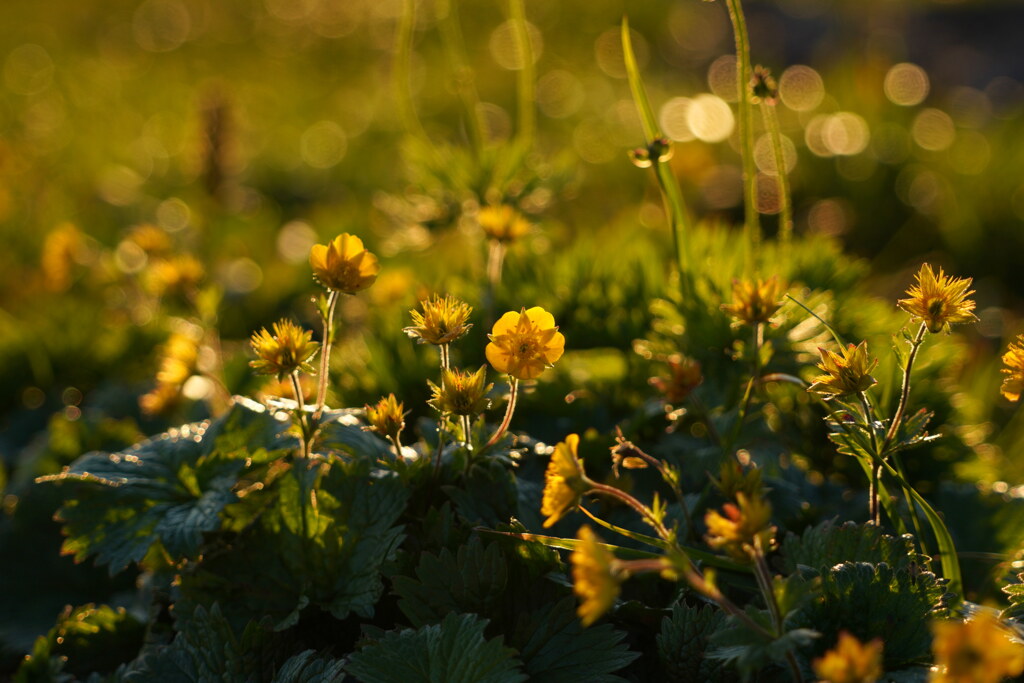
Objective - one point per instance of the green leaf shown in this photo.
(342, 432)
(828, 544)
(878, 601)
(322, 543)
(308, 667)
(488, 494)
(170, 489)
(683, 645)
(643, 105)
(454, 651)
(85, 639)
(1015, 594)
(561, 650)
(471, 580)
(751, 651)
(208, 651)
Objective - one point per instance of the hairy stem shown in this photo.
(325, 356)
(513, 394)
(915, 346)
(300, 414)
(745, 119)
(632, 502)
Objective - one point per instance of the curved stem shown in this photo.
(915, 345)
(745, 119)
(513, 388)
(771, 122)
(465, 85)
(525, 77)
(325, 356)
(632, 502)
(397, 443)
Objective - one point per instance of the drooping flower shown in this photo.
(564, 481)
(443, 320)
(755, 301)
(846, 372)
(344, 264)
(595, 579)
(1013, 359)
(461, 393)
(763, 86)
(387, 417)
(503, 223)
(288, 349)
(851, 661)
(524, 344)
(741, 525)
(939, 300)
(976, 651)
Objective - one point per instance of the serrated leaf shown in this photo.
(208, 651)
(471, 580)
(683, 645)
(878, 601)
(749, 650)
(488, 495)
(170, 489)
(454, 651)
(561, 650)
(827, 544)
(308, 667)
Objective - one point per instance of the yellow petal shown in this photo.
(506, 323)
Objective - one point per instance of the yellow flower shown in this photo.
(150, 238)
(977, 651)
(387, 417)
(503, 223)
(564, 481)
(939, 300)
(161, 399)
(1013, 359)
(755, 301)
(442, 321)
(344, 264)
(525, 344)
(288, 349)
(181, 273)
(740, 527)
(179, 359)
(461, 393)
(846, 372)
(62, 248)
(851, 661)
(595, 578)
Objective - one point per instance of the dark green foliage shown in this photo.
(454, 651)
(207, 650)
(829, 544)
(308, 667)
(170, 489)
(877, 601)
(85, 639)
(750, 651)
(1015, 594)
(488, 495)
(325, 549)
(683, 645)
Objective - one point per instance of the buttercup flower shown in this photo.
(1013, 359)
(564, 481)
(525, 344)
(387, 417)
(939, 300)
(288, 349)
(755, 301)
(461, 393)
(344, 264)
(503, 223)
(741, 525)
(594, 577)
(977, 651)
(846, 372)
(851, 661)
(442, 321)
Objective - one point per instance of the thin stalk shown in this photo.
(764, 578)
(300, 414)
(495, 262)
(325, 356)
(441, 433)
(513, 389)
(465, 85)
(915, 346)
(914, 517)
(467, 428)
(745, 119)
(632, 502)
(397, 443)
(525, 76)
(873, 509)
(402, 75)
(445, 360)
(771, 122)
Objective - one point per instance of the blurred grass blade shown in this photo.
(525, 78)
(647, 120)
(831, 330)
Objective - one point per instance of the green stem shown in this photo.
(525, 77)
(300, 414)
(644, 511)
(914, 517)
(513, 388)
(325, 356)
(465, 85)
(915, 345)
(441, 433)
(745, 119)
(873, 482)
(467, 429)
(402, 74)
(771, 122)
